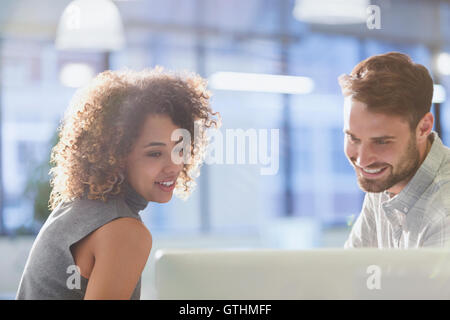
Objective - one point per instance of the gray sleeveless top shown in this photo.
(50, 271)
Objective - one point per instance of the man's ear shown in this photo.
(424, 127)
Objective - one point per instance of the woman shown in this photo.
(115, 154)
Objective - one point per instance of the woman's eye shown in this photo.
(154, 154)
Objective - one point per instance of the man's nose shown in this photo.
(364, 157)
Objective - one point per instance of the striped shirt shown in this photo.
(418, 216)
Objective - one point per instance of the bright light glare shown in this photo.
(443, 63)
(75, 75)
(331, 12)
(90, 25)
(258, 82)
(439, 94)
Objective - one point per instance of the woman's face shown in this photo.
(150, 169)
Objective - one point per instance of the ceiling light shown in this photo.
(439, 94)
(258, 82)
(76, 75)
(90, 25)
(331, 11)
(443, 63)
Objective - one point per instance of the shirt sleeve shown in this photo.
(363, 233)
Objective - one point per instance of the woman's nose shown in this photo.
(171, 168)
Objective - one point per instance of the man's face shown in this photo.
(150, 169)
(381, 147)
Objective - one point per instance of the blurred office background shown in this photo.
(312, 200)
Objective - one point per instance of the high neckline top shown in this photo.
(134, 200)
(50, 269)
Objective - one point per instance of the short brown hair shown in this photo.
(105, 118)
(391, 83)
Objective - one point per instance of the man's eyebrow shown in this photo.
(383, 138)
(373, 138)
(348, 132)
(158, 144)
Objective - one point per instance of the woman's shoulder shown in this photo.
(120, 249)
(82, 216)
(124, 232)
(93, 209)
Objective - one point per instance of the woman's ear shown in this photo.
(424, 127)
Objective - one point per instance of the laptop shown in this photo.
(302, 274)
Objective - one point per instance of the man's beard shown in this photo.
(407, 167)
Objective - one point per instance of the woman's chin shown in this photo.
(162, 200)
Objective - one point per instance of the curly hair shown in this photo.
(105, 118)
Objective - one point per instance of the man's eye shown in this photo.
(154, 154)
(382, 142)
(352, 138)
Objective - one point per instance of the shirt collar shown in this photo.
(421, 180)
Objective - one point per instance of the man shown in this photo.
(399, 161)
